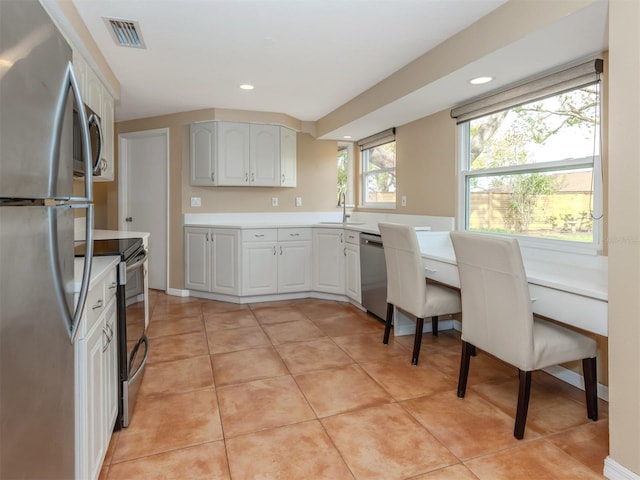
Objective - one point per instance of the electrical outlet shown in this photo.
(298, 201)
(274, 201)
(196, 202)
(404, 200)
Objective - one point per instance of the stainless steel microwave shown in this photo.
(95, 136)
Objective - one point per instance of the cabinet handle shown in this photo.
(294, 234)
(258, 235)
(341, 240)
(280, 249)
(253, 177)
(283, 178)
(213, 177)
(246, 177)
(113, 285)
(109, 335)
(206, 236)
(274, 249)
(98, 304)
(345, 251)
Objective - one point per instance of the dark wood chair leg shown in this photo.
(524, 390)
(417, 340)
(387, 324)
(467, 348)
(589, 370)
(434, 325)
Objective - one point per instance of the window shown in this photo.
(378, 158)
(345, 171)
(533, 169)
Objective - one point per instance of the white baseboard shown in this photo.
(177, 292)
(614, 471)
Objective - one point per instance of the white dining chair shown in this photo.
(497, 318)
(407, 288)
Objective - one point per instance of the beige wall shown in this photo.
(624, 233)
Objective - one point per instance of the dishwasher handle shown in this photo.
(371, 240)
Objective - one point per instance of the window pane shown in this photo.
(379, 174)
(556, 128)
(549, 205)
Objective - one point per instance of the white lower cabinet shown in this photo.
(96, 372)
(211, 259)
(328, 260)
(352, 266)
(276, 261)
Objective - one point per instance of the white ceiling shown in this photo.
(308, 57)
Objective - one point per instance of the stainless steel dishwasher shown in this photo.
(373, 275)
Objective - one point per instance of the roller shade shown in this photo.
(575, 77)
(378, 139)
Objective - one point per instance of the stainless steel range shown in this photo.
(133, 344)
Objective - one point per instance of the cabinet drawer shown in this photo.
(260, 235)
(285, 234)
(93, 308)
(352, 237)
(110, 285)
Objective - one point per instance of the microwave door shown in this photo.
(36, 125)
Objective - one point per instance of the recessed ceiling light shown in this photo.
(347, 137)
(480, 80)
(246, 86)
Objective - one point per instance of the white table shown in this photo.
(569, 288)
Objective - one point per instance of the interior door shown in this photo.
(143, 195)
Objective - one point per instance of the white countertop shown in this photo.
(585, 275)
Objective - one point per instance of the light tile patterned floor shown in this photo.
(305, 389)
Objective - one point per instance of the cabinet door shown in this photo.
(224, 261)
(265, 156)
(111, 367)
(294, 267)
(233, 153)
(202, 153)
(259, 268)
(288, 154)
(328, 260)
(94, 89)
(91, 403)
(197, 258)
(352, 272)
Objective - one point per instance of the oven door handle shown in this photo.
(143, 258)
(142, 340)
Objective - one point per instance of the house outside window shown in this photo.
(534, 170)
(378, 160)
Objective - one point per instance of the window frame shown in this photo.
(350, 169)
(364, 175)
(465, 174)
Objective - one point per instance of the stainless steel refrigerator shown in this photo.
(39, 310)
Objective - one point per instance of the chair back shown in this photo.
(406, 285)
(496, 306)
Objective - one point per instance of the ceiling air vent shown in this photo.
(125, 33)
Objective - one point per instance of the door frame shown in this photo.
(123, 183)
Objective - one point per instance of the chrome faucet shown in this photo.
(342, 201)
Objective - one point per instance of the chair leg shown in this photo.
(417, 341)
(591, 386)
(434, 325)
(387, 324)
(467, 350)
(524, 391)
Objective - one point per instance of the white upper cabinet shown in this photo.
(242, 154)
(203, 153)
(234, 144)
(264, 168)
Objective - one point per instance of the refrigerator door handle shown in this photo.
(86, 139)
(93, 120)
(72, 320)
